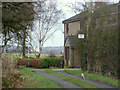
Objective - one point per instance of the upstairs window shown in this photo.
(67, 27)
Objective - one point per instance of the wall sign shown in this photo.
(80, 35)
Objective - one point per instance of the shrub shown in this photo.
(40, 63)
(8, 66)
(29, 62)
(24, 62)
(12, 80)
(45, 63)
(36, 63)
(50, 62)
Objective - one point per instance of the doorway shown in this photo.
(67, 55)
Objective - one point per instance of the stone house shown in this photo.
(75, 25)
(72, 27)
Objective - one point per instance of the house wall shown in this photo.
(65, 54)
(77, 62)
(70, 57)
(74, 27)
(67, 44)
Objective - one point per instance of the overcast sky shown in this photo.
(58, 37)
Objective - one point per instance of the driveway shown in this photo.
(62, 83)
(66, 84)
(98, 84)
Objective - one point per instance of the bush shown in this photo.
(12, 80)
(50, 62)
(23, 62)
(8, 66)
(29, 62)
(40, 63)
(10, 77)
(36, 63)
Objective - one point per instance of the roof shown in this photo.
(78, 17)
(83, 15)
(71, 41)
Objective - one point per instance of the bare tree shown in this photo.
(78, 6)
(45, 25)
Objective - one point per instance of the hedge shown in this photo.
(50, 62)
(40, 63)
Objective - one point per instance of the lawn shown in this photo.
(34, 80)
(71, 79)
(103, 79)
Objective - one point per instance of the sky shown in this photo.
(58, 37)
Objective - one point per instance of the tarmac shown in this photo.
(66, 84)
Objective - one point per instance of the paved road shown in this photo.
(66, 84)
(62, 83)
(98, 84)
(58, 69)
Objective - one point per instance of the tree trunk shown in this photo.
(38, 55)
(40, 43)
(23, 44)
(0, 52)
(40, 49)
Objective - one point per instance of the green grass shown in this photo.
(11, 56)
(19, 56)
(71, 79)
(103, 79)
(35, 80)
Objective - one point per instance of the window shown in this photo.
(67, 28)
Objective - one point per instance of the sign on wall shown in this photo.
(80, 35)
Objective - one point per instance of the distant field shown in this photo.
(19, 55)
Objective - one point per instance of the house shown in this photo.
(75, 25)
(72, 27)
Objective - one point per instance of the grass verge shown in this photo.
(100, 78)
(34, 80)
(71, 79)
